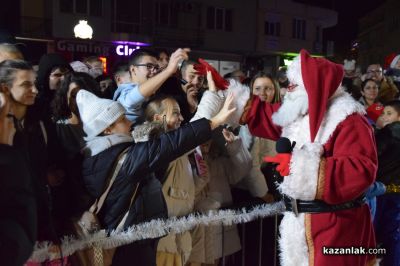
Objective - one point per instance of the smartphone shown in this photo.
(183, 82)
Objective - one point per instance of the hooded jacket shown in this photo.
(46, 64)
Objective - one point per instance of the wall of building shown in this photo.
(379, 34)
(283, 12)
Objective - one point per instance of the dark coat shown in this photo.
(142, 160)
(17, 208)
(388, 147)
(38, 145)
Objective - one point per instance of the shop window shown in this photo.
(299, 29)
(272, 28)
(88, 7)
(166, 14)
(219, 18)
(81, 6)
(96, 8)
(66, 6)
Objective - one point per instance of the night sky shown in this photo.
(349, 11)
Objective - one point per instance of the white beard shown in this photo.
(295, 104)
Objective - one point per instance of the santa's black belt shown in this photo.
(319, 206)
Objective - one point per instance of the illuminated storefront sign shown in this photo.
(116, 48)
(125, 49)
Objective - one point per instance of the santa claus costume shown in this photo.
(332, 164)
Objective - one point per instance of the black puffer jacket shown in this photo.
(388, 146)
(141, 161)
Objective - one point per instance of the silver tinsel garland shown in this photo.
(154, 229)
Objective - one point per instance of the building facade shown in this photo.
(379, 34)
(253, 34)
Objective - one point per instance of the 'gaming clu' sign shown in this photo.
(125, 49)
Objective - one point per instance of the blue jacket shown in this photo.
(129, 96)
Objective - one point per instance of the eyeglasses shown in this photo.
(374, 71)
(150, 66)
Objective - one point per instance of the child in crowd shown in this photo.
(180, 183)
(108, 138)
(387, 219)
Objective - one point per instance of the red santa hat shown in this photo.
(391, 60)
(321, 79)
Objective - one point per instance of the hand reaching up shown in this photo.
(211, 83)
(226, 111)
(176, 58)
(228, 135)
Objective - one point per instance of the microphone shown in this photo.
(284, 145)
(284, 148)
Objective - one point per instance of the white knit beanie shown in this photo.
(96, 113)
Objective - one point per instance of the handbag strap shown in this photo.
(95, 208)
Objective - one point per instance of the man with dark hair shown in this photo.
(145, 79)
(121, 74)
(387, 89)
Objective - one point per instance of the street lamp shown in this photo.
(83, 30)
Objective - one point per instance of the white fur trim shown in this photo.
(241, 94)
(303, 178)
(245, 135)
(294, 72)
(209, 106)
(340, 106)
(292, 243)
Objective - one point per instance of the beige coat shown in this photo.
(179, 191)
(213, 242)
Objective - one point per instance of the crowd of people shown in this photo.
(157, 127)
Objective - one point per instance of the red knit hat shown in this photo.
(374, 111)
(321, 79)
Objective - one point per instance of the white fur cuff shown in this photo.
(302, 181)
(241, 94)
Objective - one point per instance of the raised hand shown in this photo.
(211, 83)
(177, 57)
(226, 111)
(228, 135)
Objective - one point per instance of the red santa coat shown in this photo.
(340, 172)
